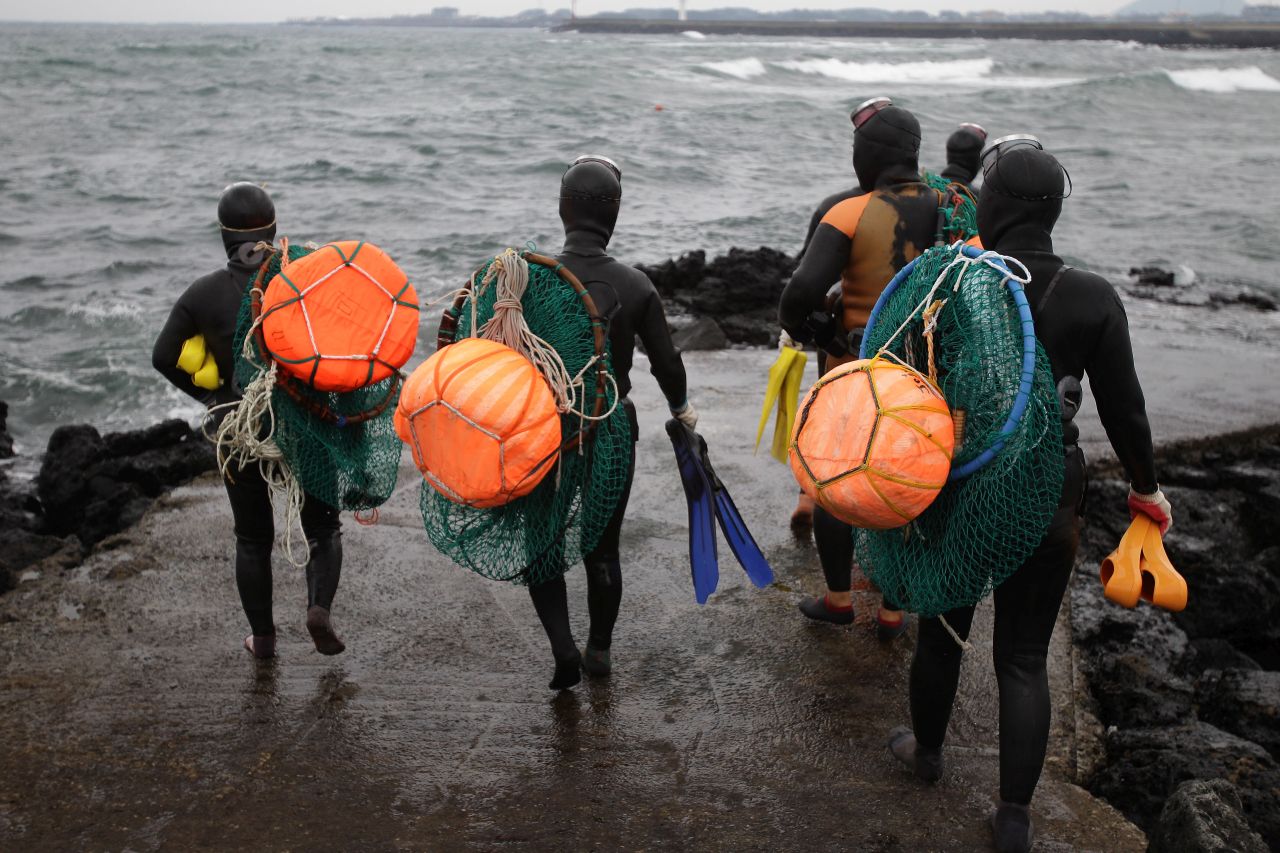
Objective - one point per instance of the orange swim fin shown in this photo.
(1161, 583)
(1121, 571)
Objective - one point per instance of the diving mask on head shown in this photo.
(976, 129)
(991, 158)
(596, 158)
(863, 112)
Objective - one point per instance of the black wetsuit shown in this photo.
(957, 174)
(210, 307)
(1083, 328)
(631, 305)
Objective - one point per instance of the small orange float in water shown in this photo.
(872, 443)
(481, 422)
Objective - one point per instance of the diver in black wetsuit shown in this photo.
(861, 241)
(964, 148)
(1081, 323)
(209, 308)
(590, 195)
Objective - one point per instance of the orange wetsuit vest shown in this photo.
(888, 228)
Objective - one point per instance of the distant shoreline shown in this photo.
(1191, 34)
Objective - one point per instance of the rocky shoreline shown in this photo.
(89, 486)
(733, 298)
(1184, 707)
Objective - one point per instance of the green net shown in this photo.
(983, 526)
(349, 466)
(535, 538)
(959, 212)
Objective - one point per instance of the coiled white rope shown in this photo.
(509, 273)
(242, 441)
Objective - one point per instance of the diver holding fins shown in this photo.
(1081, 323)
(590, 198)
(194, 352)
(861, 241)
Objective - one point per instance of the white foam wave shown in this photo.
(955, 72)
(695, 35)
(743, 69)
(1224, 80)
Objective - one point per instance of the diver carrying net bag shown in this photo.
(516, 425)
(960, 317)
(319, 342)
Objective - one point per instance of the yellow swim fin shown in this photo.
(207, 376)
(191, 359)
(1121, 571)
(1161, 583)
(782, 390)
(788, 404)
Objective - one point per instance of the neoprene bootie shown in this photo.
(820, 609)
(926, 764)
(1011, 828)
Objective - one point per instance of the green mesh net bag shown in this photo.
(957, 210)
(341, 447)
(536, 537)
(1007, 469)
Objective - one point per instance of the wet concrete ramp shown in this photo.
(132, 719)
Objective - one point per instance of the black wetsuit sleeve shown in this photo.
(806, 292)
(813, 227)
(1118, 394)
(664, 359)
(164, 355)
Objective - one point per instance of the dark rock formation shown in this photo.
(1163, 285)
(6, 440)
(1205, 817)
(1152, 276)
(702, 334)
(739, 291)
(93, 486)
(1193, 695)
(1145, 767)
(1245, 702)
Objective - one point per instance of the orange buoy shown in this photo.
(340, 318)
(481, 422)
(872, 443)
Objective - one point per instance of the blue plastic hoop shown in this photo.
(1028, 358)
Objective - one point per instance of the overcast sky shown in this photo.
(221, 11)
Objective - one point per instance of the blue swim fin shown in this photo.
(742, 543)
(691, 451)
(703, 560)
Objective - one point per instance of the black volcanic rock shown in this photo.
(1245, 702)
(1140, 663)
(94, 486)
(739, 290)
(1205, 817)
(6, 440)
(1146, 766)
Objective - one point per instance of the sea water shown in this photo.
(444, 146)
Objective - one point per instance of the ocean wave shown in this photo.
(188, 50)
(695, 35)
(743, 69)
(1251, 78)
(954, 72)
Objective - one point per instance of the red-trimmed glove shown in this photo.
(1155, 507)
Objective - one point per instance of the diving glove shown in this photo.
(687, 415)
(1154, 506)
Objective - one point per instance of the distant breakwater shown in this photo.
(1190, 34)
